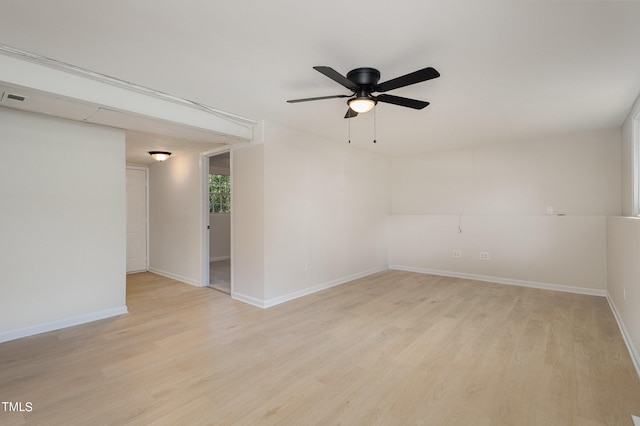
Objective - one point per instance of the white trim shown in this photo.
(635, 149)
(636, 420)
(215, 259)
(205, 223)
(323, 286)
(508, 281)
(215, 151)
(231, 216)
(175, 277)
(633, 351)
(305, 291)
(248, 299)
(57, 325)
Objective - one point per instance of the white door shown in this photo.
(136, 220)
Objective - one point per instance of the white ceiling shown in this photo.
(511, 70)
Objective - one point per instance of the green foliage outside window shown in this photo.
(219, 194)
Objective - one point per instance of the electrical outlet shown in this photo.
(457, 253)
(624, 292)
(307, 265)
(484, 255)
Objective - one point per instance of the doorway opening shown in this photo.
(219, 214)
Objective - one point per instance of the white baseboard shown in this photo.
(509, 281)
(57, 325)
(316, 288)
(248, 299)
(216, 259)
(305, 291)
(174, 276)
(633, 351)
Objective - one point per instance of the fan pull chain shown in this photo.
(349, 119)
(374, 125)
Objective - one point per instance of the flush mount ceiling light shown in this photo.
(159, 155)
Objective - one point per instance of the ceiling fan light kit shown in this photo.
(363, 83)
(361, 105)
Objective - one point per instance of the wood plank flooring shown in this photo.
(394, 348)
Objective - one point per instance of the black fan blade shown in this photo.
(405, 102)
(350, 113)
(337, 77)
(293, 101)
(408, 79)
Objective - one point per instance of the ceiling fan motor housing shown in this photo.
(364, 77)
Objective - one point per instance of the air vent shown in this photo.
(15, 97)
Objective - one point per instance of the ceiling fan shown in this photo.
(363, 82)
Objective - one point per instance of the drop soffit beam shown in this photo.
(33, 72)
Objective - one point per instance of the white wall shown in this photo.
(576, 175)
(623, 233)
(500, 194)
(247, 208)
(555, 252)
(175, 208)
(624, 278)
(326, 207)
(307, 214)
(63, 223)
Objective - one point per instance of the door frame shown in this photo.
(205, 236)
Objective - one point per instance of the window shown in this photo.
(219, 193)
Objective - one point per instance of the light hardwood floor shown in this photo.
(393, 348)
